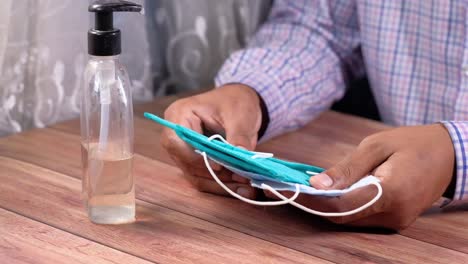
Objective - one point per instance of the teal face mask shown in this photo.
(262, 169)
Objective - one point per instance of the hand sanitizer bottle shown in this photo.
(107, 122)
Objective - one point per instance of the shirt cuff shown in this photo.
(458, 131)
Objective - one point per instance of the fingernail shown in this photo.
(321, 179)
(215, 166)
(238, 178)
(242, 147)
(244, 192)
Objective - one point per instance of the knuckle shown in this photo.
(373, 144)
(176, 107)
(170, 109)
(342, 170)
(348, 171)
(169, 141)
(386, 170)
(196, 182)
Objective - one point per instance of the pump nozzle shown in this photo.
(104, 39)
(114, 6)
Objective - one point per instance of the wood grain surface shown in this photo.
(23, 240)
(40, 172)
(161, 235)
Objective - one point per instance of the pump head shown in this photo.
(104, 39)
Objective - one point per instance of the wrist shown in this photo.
(265, 117)
(450, 190)
(248, 98)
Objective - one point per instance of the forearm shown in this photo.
(296, 64)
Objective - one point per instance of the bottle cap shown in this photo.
(104, 39)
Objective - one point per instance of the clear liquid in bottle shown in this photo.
(108, 181)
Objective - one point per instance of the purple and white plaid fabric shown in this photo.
(415, 54)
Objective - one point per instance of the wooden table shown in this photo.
(42, 219)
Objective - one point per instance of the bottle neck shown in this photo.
(113, 57)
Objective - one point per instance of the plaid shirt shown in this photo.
(415, 55)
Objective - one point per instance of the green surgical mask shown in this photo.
(262, 169)
(272, 168)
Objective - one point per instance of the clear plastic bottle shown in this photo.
(107, 142)
(107, 124)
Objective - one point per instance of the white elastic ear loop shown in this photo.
(257, 154)
(272, 203)
(326, 214)
(284, 199)
(218, 136)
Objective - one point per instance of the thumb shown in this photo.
(241, 135)
(240, 139)
(351, 169)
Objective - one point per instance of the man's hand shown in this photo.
(415, 166)
(232, 110)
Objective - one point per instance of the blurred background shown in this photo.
(176, 46)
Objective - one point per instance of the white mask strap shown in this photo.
(270, 203)
(257, 155)
(285, 200)
(218, 136)
(327, 214)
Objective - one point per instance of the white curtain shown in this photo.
(177, 45)
(190, 39)
(43, 50)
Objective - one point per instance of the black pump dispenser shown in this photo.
(104, 39)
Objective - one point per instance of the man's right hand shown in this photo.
(232, 110)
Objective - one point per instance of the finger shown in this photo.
(241, 139)
(368, 155)
(270, 195)
(386, 220)
(199, 166)
(240, 179)
(206, 185)
(239, 116)
(377, 220)
(239, 132)
(355, 199)
(340, 204)
(194, 171)
(224, 175)
(177, 147)
(314, 202)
